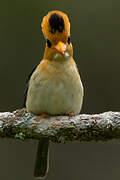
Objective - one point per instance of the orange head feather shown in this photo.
(56, 27)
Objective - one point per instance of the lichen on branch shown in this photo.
(84, 127)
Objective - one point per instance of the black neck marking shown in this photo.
(56, 23)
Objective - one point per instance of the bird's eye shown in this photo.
(49, 43)
(69, 40)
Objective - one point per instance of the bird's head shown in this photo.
(56, 30)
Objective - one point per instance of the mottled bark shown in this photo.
(84, 127)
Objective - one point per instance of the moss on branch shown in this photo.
(23, 125)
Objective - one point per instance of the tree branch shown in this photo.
(22, 125)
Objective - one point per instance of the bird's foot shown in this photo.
(70, 114)
(39, 117)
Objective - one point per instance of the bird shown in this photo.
(54, 86)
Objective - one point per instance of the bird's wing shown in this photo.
(27, 86)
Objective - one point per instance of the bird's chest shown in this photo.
(56, 81)
(54, 89)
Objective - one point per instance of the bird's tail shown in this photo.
(42, 159)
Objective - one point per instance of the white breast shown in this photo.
(60, 93)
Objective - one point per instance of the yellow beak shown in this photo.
(60, 47)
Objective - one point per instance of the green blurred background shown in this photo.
(95, 34)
